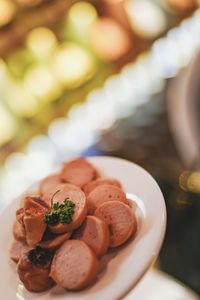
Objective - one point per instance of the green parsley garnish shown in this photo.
(60, 213)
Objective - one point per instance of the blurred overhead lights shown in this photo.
(73, 65)
(42, 84)
(7, 126)
(109, 40)
(29, 2)
(42, 42)
(81, 16)
(146, 18)
(7, 12)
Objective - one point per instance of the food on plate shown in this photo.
(64, 228)
(19, 231)
(78, 172)
(53, 241)
(17, 249)
(33, 269)
(34, 212)
(48, 187)
(74, 195)
(99, 181)
(104, 193)
(74, 265)
(94, 232)
(120, 219)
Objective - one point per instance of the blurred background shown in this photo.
(106, 77)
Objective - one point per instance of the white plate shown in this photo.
(123, 267)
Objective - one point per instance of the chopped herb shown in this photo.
(60, 213)
(39, 256)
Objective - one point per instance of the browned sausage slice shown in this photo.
(74, 265)
(34, 272)
(78, 172)
(19, 231)
(76, 195)
(104, 193)
(34, 212)
(120, 220)
(17, 250)
(56, 241)
(99, 181)
(94, 232)
(48, 186)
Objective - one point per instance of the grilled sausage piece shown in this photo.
(99, 181)
(76, 195)
(104, 193)
(120, 219)
(33, 270)
(74, 265)
(34, 212)
(78, 172)
(94, 232)
(18, 249)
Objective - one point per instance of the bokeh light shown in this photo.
(42, 84)
(146, 18)
(72, 65)
(109, 40)
(42, 42)
(7, 12)
(8, 125)
(81, 16)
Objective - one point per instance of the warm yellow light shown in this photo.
(73, 65)
(82, 15)
(7, 12)
(146, 18)
(8, 126)
(42, 42)
(109, 40)
(193, 182)
(21, 102)
(18, 62)
(42, 84)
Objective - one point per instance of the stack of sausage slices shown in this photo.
(61, 231)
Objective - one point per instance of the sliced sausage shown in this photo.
(33, 272)
(104, 193)
(17, 250)
(48, 186)
(55, 241)
(34, 212)
(76, 195)
(99, 181)
(120, 219)
(74, 265)
(94, 232)
(19, 231)
(78, 172)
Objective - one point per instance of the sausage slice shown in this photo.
(120, 219)
(34, 212)
(55, 241)
(19, 231)
(104, 193)
(94, 232)
(48, 186)
(74, 265)
(78, 172)
(99, 181)
(17, 250)
(33, 270)
(76, 195)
